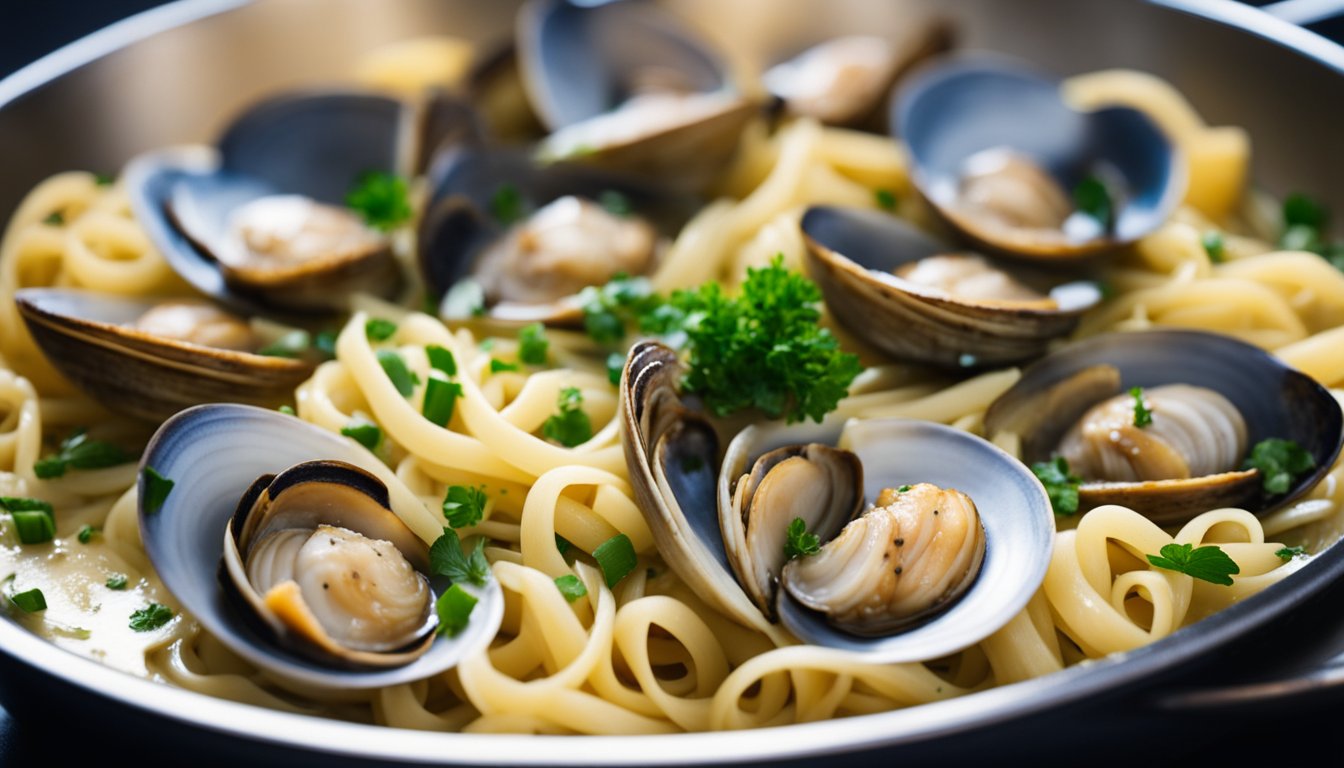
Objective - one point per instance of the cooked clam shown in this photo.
(923, 544)
(1015, 170)
(194, 352)
(906, 294)
(532, 236)
(1209, 398)
(671, 450)
(324, 581)
(625, 86)
(319, 555)
(847, 80)
(259, 221)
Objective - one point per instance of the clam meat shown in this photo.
(914, 551)
(569, 244)
(970, 276)
(319, 555)
(1194, 431)
(197, 322)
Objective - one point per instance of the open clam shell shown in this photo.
(214, 454)
(283, 170)
(672, 452)
(1275, 401)
(1015, 513)
(586, 66)
(968, 106)
(460, 223)
(851, 254)
(89, 338)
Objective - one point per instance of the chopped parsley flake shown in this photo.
(441, 359)
(885, 199)
(1143, 417)
(1288, 553)
(464, 505)
(1208, 563)
(571, 426)
(364, 432)
(395, 368)
(151, 617)
(1093, 199)
(116, 581)
(440, 400)
(798, 542)
(382, 200)
(1281, 463)
(532, 344)
(1214, 246)
(378, 329)
(156, 488)
(454, 609)
(507, 204)
(86, 533)
(500, 366)
(1060, 486)
(571, 587)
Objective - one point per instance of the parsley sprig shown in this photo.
(447, 558)
(1207, 563)
(464, 505)
(570, 426)
(1143, 415)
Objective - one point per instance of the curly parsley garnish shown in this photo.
(1143, 416)
(382, 199)
(1280, 463)
(798, 542)
(1060, 486)
(1208, 563)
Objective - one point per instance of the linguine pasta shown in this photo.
(649, 656)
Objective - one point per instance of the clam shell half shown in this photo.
(213, 454)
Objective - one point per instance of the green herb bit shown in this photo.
(34, 527)
(155, 488)
(765, 348)
(382, 199)
(29, 601)
(80, 452)
(103, 179)
(447, 558)
(532, 344)
(623, 302)
(571, 587)
(454, 609)
(499, 366)
(904, 488)
(395, 368)
(1280, 463)
(507, 204)
(1214, 246)
(1301, 210)
(1093, 199)
(615, 367)
(1208, 563)
(116, 581)
(798, 542)
(325, 344)
(562, 544)
(616, 558)
(55, 219)
(615, 203)
(1143, 416)
(292, 345)
(151, 617)
(464, 505)
(1300, 237)
(86, 533)
(440, 400)
(885, 198)
(1288, 553)
(571, 426)
(441, 359)
(378, 329)
(364, 432)
(20, 504)
(287, 409)
(1060, 486)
